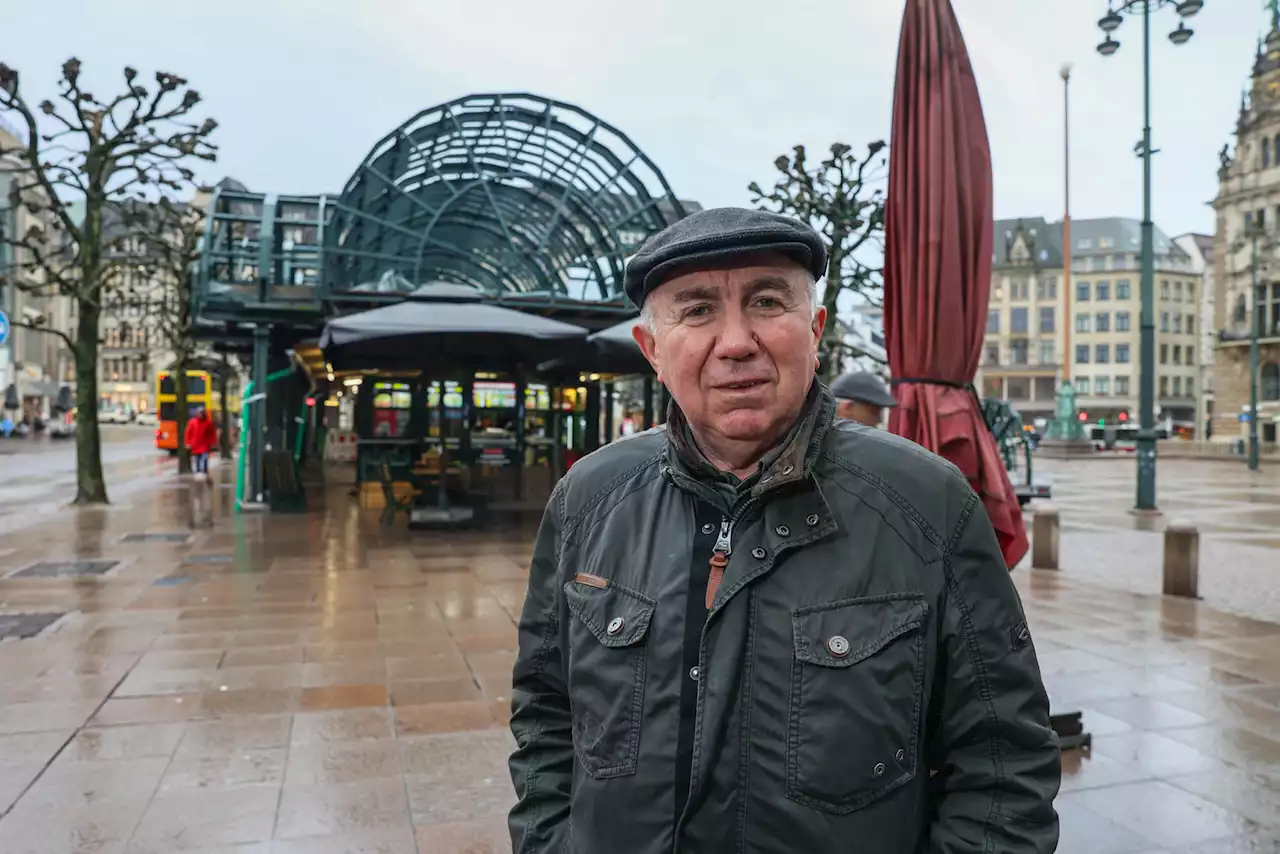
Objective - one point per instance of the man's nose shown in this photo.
(737, 340)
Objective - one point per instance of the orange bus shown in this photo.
(199, 394)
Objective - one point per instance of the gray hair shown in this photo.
(646, 311)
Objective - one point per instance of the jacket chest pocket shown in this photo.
(857, 684)
(607, 659)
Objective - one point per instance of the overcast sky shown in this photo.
(712, 90)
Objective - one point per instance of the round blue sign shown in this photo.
(4, 327)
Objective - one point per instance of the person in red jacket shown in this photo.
(200, 438)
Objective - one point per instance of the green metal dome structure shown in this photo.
(520, 196)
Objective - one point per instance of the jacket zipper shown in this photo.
(719, 559)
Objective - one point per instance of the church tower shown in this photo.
(1248, 203)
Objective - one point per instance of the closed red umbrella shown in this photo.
(938, 233)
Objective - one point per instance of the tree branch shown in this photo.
(71, 344)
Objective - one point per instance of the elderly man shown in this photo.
(762, 629)
(861, 397)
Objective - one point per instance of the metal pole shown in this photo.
(1066, 231)
(1254, 319)
(258, 410)
(1146, 498)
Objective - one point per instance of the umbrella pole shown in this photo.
(442, 492)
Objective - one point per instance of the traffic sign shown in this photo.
(4, 327)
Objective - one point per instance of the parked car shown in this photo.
(147, 419)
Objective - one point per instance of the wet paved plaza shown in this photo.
(315, 684)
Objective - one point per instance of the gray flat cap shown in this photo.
(862, 387)
(717, 234)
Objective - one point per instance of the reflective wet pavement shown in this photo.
(314, 684)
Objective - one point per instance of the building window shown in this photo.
(1164, 354)
(1082, 354)
(1086, 243)
(1122, 385)
(1104, 290)
(1177, 322)
(1177, 354)
(1177, 291)
(1164, 321)
(1082, 292)
(1018, 351)
(1019, 388)
(1191, 355)
(1047, 288)
(1105, 243)
(1122, 288)
(1122, 321)
(1177, 386)
(1082, 322)
(1018, 319)
(1019, 290)
(1164, 289)
(1047, 317)
(1082, 385)
(1190, 383)
(1122, 354)
(1239, 313)
(1048, 352)
(1102, 322)
(1266, 153)
(1043, 388)
(993, 320)
(1164, 386)
(991, 354)
(1102, 386)
(1270, 389)
(1102, 354)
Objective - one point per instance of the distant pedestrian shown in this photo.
(862, 397)
(200, 438)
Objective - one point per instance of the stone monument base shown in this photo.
(1064, 449)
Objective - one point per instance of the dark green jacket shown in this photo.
(865, 680)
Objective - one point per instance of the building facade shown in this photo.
(1199, 248)
(34, 365)
(1027, 349)
(1247, 210)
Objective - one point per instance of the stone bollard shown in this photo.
(1182, 560)
(1044, 538)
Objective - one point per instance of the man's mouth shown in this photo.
(742, 385)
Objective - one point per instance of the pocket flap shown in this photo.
(843, 633)
(615, 615)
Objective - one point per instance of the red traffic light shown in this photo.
(1084, 416)
(1124, 416)
(311, 401)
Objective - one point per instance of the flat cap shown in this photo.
(715, 235)
(862, 387)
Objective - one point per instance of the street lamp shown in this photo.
(1109, 23)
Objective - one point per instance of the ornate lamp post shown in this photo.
(1109, 23)
(1252, 234)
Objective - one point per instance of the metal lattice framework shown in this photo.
(508, 193)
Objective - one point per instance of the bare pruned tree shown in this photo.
(80, 156)
(842, 197)
(152, 282)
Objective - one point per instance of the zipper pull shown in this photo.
(719, 560)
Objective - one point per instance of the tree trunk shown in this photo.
(180, 412)
(828, 353)
(91, 486)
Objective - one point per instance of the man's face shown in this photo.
(736, 347)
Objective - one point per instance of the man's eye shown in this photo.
(698, 311)
(767, 302)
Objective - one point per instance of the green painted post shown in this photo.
(1146, 498)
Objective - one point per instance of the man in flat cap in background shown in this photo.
(761, 629)
(862, 397)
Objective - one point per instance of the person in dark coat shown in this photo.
(762, 629)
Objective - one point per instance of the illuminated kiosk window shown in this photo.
(453, 412)
(392, 409)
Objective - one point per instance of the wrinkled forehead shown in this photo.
(724, 278)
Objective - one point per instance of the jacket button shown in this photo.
(693, 673)
(788, 470)
(615, 625)
(782, 530)
(838, 645)
(758, 553)
(811, 519)
(878, 770)
(707, 528)
(900, 755)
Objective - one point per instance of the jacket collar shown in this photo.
(791, 461)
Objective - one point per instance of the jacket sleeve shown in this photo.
(997, 762)
(542, 765)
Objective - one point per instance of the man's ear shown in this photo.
(819, 323)
(649, 346)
